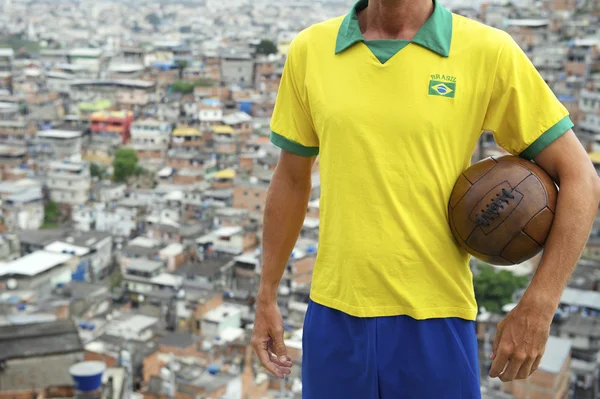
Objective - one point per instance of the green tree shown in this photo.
(97, 170)
(180, 86)
(153, 19)
(203, 83)
(51, 215)
(115, 279)
(124, 164)
(266, 47)
(181, 65)
(494, 289)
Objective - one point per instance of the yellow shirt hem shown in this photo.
(381, 311)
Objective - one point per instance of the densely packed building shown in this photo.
(134, 167)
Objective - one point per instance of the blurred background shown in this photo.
(134, 165)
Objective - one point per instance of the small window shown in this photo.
(258, 207)
(257, 195)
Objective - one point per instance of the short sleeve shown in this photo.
(523, 113)
(292, 127)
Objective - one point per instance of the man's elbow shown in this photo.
(590, 181)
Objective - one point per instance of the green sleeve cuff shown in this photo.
(560, 128)
(291, 146)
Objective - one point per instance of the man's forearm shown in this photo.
(285, 210)
(575, 212)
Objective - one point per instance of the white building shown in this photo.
(210, 113)
(589, 101)
(229, 239)
(10, 248)
(237, 68)
(69, 182)
(150, 139)
(7, 56)
(39, 271)
(120, 221)
(217, 320)
(590, 123)
(59, 82)
(108, 192)
(22, 204)
(84, 218)
(57, 145)
(93, 260)
(90, 58)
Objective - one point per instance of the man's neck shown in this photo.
(394, 19)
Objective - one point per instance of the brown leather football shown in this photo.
(501, 209)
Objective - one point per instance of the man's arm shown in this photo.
(287, 200)
(521, 337)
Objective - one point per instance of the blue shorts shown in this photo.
(397, 357)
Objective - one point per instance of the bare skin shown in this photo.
(522, 335)
(287, 200)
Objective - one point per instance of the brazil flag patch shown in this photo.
(444, 89)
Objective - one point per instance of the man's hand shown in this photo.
(520, 342)
(267, 339)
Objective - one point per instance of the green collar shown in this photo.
(435, 34)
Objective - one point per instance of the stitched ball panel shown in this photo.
(501, 209)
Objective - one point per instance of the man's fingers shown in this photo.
(514, 365)
(278, 346)
(526, 367)
(287, 363)
(265, 359)
(500, 360)
(536, 364)
(496, 342)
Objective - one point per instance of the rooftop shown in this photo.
(206, 268)
(126, 68)
(59, 134)
(34, 263)
(223, 129)
(167, 279)
(39, 339)
(16, 186)
(78, 238)
(220, 313)
(172, 250)
(132, 324)
(178, 339)
(534, 23)
(85, 52)
(70, 166)
(582, 298)
(186, 131)
(225, 174)
(144, 242)
(249, 258)
(583, 326)
(144, 84)
(557, 352)
(144, 265)
(60, 247)
(236, 118)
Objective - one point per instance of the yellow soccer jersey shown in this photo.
(394, 124)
